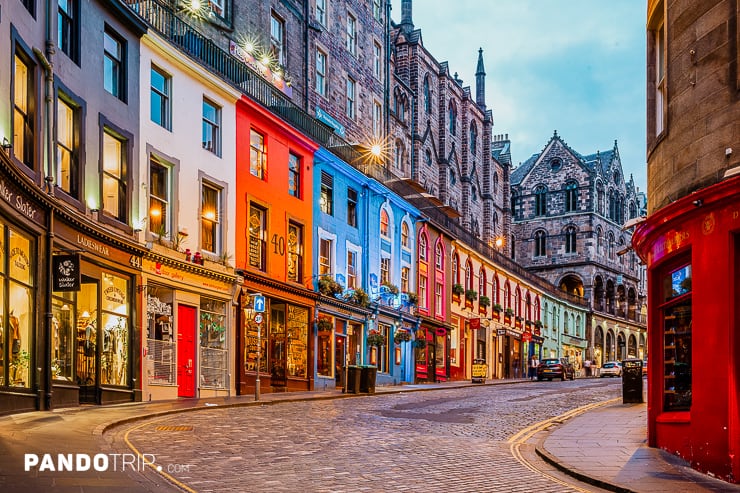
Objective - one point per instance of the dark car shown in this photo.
(550, 368)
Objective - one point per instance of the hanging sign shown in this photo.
(474, 323)
(66, 272)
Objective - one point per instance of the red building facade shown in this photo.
(691, 236)
(274, 210)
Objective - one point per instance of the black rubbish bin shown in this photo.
(367, 379)
(631, 381)
(353, 380)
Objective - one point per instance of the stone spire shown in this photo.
(480, 81)
(406, 23)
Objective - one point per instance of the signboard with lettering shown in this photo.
(324, 117)
(66, 276)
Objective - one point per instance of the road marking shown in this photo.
(522, 436)
(155, 468)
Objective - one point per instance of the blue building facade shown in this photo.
(363, 249)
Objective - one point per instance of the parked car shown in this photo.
(611, 369)
(550, 368)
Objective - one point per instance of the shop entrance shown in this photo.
(340, 355)
(186, 322)
(86, 371)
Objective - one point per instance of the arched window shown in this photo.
(599, 233)
(495, 183)
(495, 297)
(633, 210)
(439, 257)
(495, 222)
(423, 253)
(455, 268)
(453, 118)
(427, 95)
(428, 157)
(536, 314)
(468, 275)
(482, 282)
(570, 239)
(612, 205)
(384, 223)
(507, 295)
(600, 199)
(528, 307)
(398, 155)
(473, 138)
(571, 196)
(405, 234)
(621, 247)
(518, 302)
(611, 245)
(452, 177)
(540, 201)
(540, 243)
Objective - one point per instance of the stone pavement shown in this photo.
(587, 446)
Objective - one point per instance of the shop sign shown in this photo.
(66, 272)
(573, 341)
(115, 295)
(526, 337)
(20, 204)
(501, 332)
(474, 323)
(440, 331)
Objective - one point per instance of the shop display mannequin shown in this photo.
(15, 334)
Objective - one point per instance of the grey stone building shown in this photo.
(567, 215)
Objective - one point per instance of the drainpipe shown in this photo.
(45, 60)
(387, 83)
(306, 54)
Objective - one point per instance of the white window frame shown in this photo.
(321, 72)
(351, 39)
(327, 236)
(357, 251)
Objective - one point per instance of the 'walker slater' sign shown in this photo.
(66, 272)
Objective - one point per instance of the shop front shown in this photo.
(692, 251)
(339, 329)
(94, 356)
(23, 223)
(432, 360)
(275, 338)
(187, 326)
(511, 354)
(574, 348)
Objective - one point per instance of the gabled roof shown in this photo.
(599, 162)
(523, 169)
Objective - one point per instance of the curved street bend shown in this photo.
(454, 438)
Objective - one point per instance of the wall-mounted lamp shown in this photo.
(6, 145)
(137, 230)
(698, 203)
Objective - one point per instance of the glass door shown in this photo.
(86, 371)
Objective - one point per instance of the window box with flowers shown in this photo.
(483, 303)
(457, 292)
(325, 324)
(508, 316)
(470, 297)
(537, 327)
(359, 297)
(391, 288)
(413, 299)
(375, 338)
(401, 335)
(497, 309)
(519, 319)
(329, 287)
(420, 341)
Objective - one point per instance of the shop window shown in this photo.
(16, 289)
(257, 234)
(114, 320)
(160, 363)
(254, 333)
(213, 344)
(324, 349)
(64, 312)
(295, 252)
(676, 314)
(381, 353)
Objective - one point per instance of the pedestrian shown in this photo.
(533, 364)
(587, 366)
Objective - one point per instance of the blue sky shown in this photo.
(577, 66)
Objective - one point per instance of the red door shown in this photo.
(186, 351)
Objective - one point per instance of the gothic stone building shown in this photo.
(567, 216)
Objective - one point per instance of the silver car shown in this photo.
(611, 369)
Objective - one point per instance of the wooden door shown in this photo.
(186, 324)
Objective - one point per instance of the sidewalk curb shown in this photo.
(553, 461)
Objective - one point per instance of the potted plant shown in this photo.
(329, 287)
(325, 324)
(457, 289)
(392, 288)
(471, 295)
(413, 298)
(509, 312)
(484, 301)
(360, 297)
(497, 307)
(420, 342)
(375, 338)
(538, 324)
(401, 335)
(18, 367)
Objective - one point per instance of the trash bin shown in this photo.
(631, 381)
(480, 368)
(353, 380)
(367, 378)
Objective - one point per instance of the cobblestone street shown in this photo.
(447, 440)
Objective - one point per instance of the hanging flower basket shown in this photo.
(420, 343)
(325, 325)
(401, 335)
(375, 338)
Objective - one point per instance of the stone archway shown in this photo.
(632, 346)
(609, 346)
(598, 343)
(621, 346)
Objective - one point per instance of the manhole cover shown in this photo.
(174, 428)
